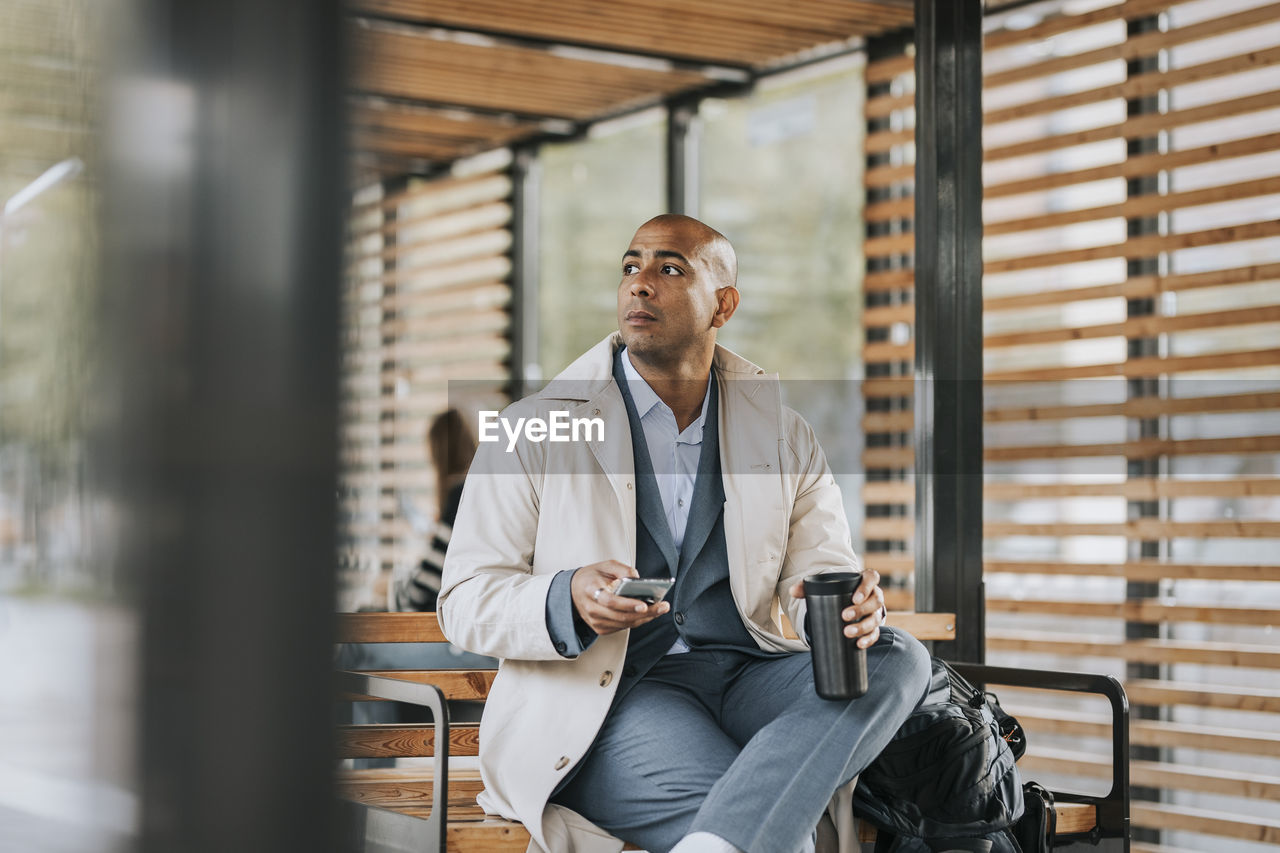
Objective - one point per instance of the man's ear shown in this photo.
(726, 304)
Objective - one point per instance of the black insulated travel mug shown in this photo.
(839, 666)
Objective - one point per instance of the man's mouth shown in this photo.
(639, 318)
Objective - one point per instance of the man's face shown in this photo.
(667, 299)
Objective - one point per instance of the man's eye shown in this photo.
(629, 269)
(671, 269)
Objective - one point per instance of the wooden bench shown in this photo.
(434, 808)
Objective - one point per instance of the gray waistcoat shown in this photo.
(702, 609)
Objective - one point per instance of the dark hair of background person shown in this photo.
(452, 447)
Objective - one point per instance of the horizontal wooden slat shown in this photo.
(1060, 721)
(1137, 166)
(389, 628)
(1135, 46)
(1140, 407)
(1138, 247)
(1145, 692)
(757, 35)
(890, 210)
(1137, 86)
(454, 683)
(1205, 821)
(1065, 23)
(1145, 205)
(1139, 327)
(1138, 611)
(888, 457)
(896, 492)
(1156, 774)
(411, 793)
(1137, 126)
(1143, 449)
(888, 528)
(877, 282)
(1138, 367)
(1141, 570)
(1136, 288)
(386, 741)
(1135, 490)
(502, 77)
(1146, 529)
(470, 830)
(424, 628)
(899, 421)
(1024, 642)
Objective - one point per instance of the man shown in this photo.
(690, 724)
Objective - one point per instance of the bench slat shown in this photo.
(394, 741)
(424, 628)
(454, 683)
(472, 830)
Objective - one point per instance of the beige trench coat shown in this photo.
(544, 508)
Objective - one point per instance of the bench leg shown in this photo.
(376, 830)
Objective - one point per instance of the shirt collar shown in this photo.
(646, 398)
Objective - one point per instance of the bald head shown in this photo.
(713, 247)
(677, 289)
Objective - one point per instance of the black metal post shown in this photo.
(948, 370)
(682, 158)
(524, 271)
(219, 320)
(1144, 428)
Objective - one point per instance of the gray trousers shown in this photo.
(740, 746)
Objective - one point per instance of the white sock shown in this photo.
(704, 842)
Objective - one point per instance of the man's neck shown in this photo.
(682, 385)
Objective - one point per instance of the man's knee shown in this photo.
(907, 664)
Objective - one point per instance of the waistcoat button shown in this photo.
(563, 762)
(606, 678)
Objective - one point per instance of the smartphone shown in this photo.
(647, 590)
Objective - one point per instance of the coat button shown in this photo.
(606, 678)
(560, 647)
(679, 618)
(563, 762)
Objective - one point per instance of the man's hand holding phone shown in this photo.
(603, 611)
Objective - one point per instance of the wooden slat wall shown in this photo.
(1128, 248)
(887, 317)
(426, 303)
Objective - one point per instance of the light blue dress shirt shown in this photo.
(673, 453)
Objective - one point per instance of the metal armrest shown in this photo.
(385, 831)
(1113, 809)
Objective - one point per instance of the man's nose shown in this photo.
(641, 285)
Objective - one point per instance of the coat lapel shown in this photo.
(648, 501)
(708, 493)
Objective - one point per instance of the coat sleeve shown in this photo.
(491, 602)
(818, 537)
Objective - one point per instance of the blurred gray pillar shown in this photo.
(224, 191)
(948, 369)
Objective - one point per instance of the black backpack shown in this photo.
(947, 780)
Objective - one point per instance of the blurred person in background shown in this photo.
(451, 447)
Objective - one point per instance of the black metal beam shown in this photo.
(682, 158)
(218, 320)
(948, 368)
